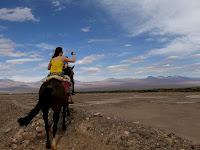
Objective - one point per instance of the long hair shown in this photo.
(58, 50)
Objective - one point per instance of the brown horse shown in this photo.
(52, 94)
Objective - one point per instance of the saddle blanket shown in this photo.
(60, 78)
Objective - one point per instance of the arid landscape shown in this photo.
(133, 120)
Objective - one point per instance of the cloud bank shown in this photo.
(17, 14)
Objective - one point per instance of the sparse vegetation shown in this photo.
(189, 89)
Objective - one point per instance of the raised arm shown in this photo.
(72, 60)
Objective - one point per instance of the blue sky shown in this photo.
(112, 38)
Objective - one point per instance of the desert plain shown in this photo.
(169, 112)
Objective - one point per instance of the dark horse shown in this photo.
(52, 94)
(69, 71)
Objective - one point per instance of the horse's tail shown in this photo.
(24, 121)
(44, 102)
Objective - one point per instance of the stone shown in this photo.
(39, 129)
(14, 146)
(108, 118)
(41, 121)
(14, 141)
(136, 122)
(26, 142)
(7, 130)
(126, 133)
(97, 114)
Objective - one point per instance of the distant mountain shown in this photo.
(150, 82)
(109, 84)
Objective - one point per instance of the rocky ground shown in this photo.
(85, 131)
(95, 131)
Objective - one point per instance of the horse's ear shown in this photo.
(72, 67)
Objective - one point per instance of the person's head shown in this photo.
(58, 52)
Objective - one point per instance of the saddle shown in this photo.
(66, 81)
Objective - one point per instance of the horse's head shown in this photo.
(69, 71)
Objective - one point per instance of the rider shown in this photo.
(56, 64)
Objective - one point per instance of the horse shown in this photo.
(52, 94)
(69, 71)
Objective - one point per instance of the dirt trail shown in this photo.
(94, 123)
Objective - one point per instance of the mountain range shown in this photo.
(110, 84)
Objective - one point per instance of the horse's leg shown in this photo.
(67, 107)
(45, 117)
(64, 115)
(56, 115)
(72, 80)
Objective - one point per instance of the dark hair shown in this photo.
(58, 50)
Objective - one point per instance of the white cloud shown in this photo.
(190, 70)
(90, 59)
(43, 64)
(91, 70)
(98, 40)
(128, 45)
(17, 14)
(173, 57)
(46, 46)
(160, 17)
(178, 18)
(86, 29)
(134, 60)
(179, 46)
(7, 48)
(22, 60)
(123, 54)
(196, 56)
(60, 4)
(26, 78)
(118, 68)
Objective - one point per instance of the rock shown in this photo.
(126, 133)
(136, 122)
(108, 118)
(39, 129)
(41, 135)
(132, 130)
(87, 118)
(19, 132)
(26, 142)
(28, 135)
(18, 136)
(14, 141)
(33, 124)
(97, 114)
(14, 146)
(7, 130)
(40, 121)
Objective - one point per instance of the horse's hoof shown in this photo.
(53, 145)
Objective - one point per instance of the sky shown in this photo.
(111, 38)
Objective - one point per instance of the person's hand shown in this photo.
(73, 53)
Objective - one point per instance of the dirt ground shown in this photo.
(168, 112)
(176, 112)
